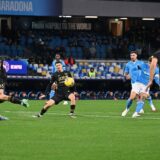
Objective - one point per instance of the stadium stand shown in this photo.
(80, 45)
(104, 69)
(88, 48)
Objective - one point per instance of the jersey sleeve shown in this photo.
(63, 65)
(48, 88)
(53, 67)
(126, 69)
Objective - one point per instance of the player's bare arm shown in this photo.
(152, 70)
(127, 76)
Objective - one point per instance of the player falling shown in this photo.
(3, 97)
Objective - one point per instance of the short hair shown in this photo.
(150, 59)
(135, 52)
(58, 62)
(57, 54)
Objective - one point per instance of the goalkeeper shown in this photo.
(62, 92)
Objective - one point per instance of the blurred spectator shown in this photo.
(70, 61)
(110, 95)
(92, 50)
(57, 58)
(92, 73)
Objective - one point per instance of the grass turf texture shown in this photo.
(98, 133)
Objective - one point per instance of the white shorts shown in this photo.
(139, 88)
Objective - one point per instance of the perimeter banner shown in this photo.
(15, 67)
(31, 7)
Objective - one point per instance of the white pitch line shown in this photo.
(110, 116)
(88, 115)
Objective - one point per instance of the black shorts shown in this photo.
(60, 97)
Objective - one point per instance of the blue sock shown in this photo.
(51, 94)
(139, 106)
(129, 103)
(150, 100)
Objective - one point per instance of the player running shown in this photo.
(141, 84)
(61, 93)
(131, 72)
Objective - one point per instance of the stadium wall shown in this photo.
(110, 8)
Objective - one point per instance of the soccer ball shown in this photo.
(69, 82)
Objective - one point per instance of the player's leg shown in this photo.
(44, 109)
(130, 99)
(2, 96)
(139, 107)
(13, 99)
(1, 101)
(140, 104)
(151, 103)
(54, 100)
(72, 98)
(129, 103)
(52, 93)
(65, 102)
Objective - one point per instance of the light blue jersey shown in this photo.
(132, 69)
(144, 74)
(51, 94)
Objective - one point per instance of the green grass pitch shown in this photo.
(98, 132)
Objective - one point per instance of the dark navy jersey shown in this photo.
(59, 78)
(3, 75)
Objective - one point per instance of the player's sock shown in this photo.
(72, 108)
(151, 103)
(150, 100)
(129, 103)
(139, 106)
(15, 100)
(43, 111)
